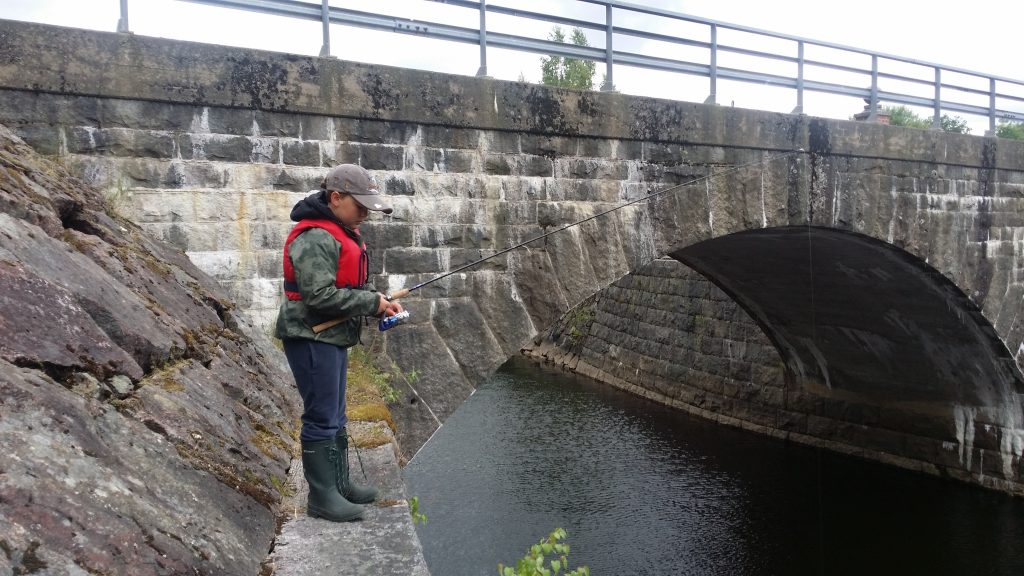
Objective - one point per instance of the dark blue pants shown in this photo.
(320, 373)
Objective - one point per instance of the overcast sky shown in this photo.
(983, 37)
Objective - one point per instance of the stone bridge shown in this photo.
(882, 263)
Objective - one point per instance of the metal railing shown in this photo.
(1005, 96)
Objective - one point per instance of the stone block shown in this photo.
(19, 107)
(217, 120)
(596, 147)
(346, 129)
(414, 261)
(293, 180)
(534, 166)
(340, 153)
(300, 153)
(588, 168)
(317, 128)
(44, 139)
(121, 142)
(497, 164)
(661, 153)
(379, 157)
(141, 115)
(448, 160)
(270, 264)
(523, 189)
(450, 138)
(477, 351)
(752, 412)
(265, 150)
(383, 235)
(378, 132)
(220, 148)
(823, 428)
(501, 142)
(269, 124)
(548, 146)
(396, 185)
(226, 265)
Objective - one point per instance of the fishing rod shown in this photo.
(390, 321)
(406, 291)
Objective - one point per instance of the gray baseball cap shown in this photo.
(356, 181)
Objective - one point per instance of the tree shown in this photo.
(1011, 130)
(568, 72)
(903, 116)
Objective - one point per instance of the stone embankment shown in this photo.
(667, 333)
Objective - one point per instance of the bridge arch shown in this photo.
(898, 347)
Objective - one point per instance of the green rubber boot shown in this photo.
(349, 489)
(319, 464)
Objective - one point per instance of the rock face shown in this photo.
(146, 425)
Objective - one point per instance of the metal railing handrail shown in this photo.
(872, 95)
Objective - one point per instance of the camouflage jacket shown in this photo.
(314, 255)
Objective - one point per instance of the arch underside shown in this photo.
(860, 317)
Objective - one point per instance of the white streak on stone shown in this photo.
(895, 207)
(711, 210)
(963, 418)
(201, 122)
(764, 210)
(396, 282)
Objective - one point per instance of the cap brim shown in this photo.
(373, 202)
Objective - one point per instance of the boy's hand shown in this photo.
(387, 307)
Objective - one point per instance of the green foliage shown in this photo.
(361, 369)
(568, 72)
(1011, 130)
(903, 116)
(546, 558)
(954, 125)
(414, 511)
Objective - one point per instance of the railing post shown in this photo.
(482, 71)
(991, 107)
(799, 78)
(937, 114)
(608, 85)
(873, 103)
(122, 24)
(713, 68)
(325, 18)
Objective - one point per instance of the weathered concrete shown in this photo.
(383, 543)
(209, 146)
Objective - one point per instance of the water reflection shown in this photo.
(642, 489)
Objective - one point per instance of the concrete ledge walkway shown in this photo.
(383, 543)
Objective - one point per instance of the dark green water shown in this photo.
(642, 489)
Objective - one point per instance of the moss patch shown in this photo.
(365, 399)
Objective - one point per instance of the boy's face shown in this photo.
(346, 209)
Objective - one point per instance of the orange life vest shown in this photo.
(353, 263)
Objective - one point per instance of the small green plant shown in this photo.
(414, 510)
(412, 375)
(381, 381)
(538, 560)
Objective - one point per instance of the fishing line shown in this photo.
(405, 291)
